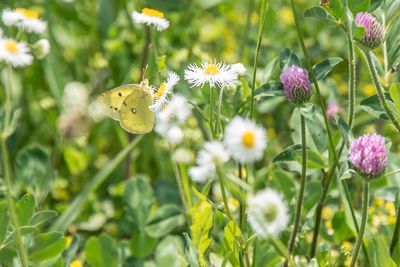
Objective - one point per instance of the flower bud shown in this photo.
(41, 48)
(296, 84)
(374, 32)
(368, 155)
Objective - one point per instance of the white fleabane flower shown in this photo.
(215, 74)
(213, 154)
(25, 19)
(76, 96)
(245, 140)
(161, 95)
(239, 68)
(151, 17)
(208, 159)
(15, 53)
(174, 135)
(267, 213)
(201, 174)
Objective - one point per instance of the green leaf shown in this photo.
(202, 222)
(191, 252)
(345, 130)
(269, 89)
(142, 245)
(359, 33)
(42, 217)
(77, 205)
(321, 14)
(76, 159)
(337, 9)
(47, 246)
(101, 251)
(4, 221)
(7, 255)
(231, 234)
(359, 5)
(379, 250)
(374, 5)
(323, 68)
(138, 198)
(395, 94)
(372, 105)
(25, 208)
(324, 255)
(31, 167)
(288, 58)
(170, 252)
(341, 230)
(166, 219)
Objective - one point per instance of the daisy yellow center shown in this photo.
(28, 13)
(248, 139)
(153, 13)
(211, 69)
(161, 90)
(12, 46)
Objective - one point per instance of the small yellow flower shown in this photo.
(327, 213)
(76, 263)
(286, 16)
(69, 239)
(369, 90)
(347, 246)
(391, 219)
(389, 206)
(378, 202)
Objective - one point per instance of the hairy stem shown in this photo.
(300, 198)
(396, 231)
(364, 216)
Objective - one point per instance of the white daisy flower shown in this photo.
(267, 213)
(151, 17)
(208, 159)
(239, 68)
(245, 140)
(216, 74)
(213, 154)
(25, 19)
(161, 95)
(201, 174)
(14, 53)
(174, 135)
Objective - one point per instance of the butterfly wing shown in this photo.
(135, 115)
(114, 98)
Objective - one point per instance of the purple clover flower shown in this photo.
(332, 109)
(374, 32)
(296, 84)
(368, 155)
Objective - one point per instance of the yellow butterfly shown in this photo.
(129, 104)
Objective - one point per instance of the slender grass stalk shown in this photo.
(243, 203)
(396, 231)
(280, 247)
(223, 192)
(364, 217)
(380, 89)
(180, 184)
(23, 256)
(300, 198)
(261, 25)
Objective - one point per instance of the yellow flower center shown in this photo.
(28, 13)
(12, 46)
(161, 90)
(211, 69)
(248, 139)
(152, 13)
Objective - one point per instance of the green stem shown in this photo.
(395, 237)
(280, 247)
(263, 15)
(242, 203)
(300, 198)
(364, 214)
(218, 126)
(380, 90)
(10, 202)
(185, 184)
(179, 181)
(212, 111)
(224, 198)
